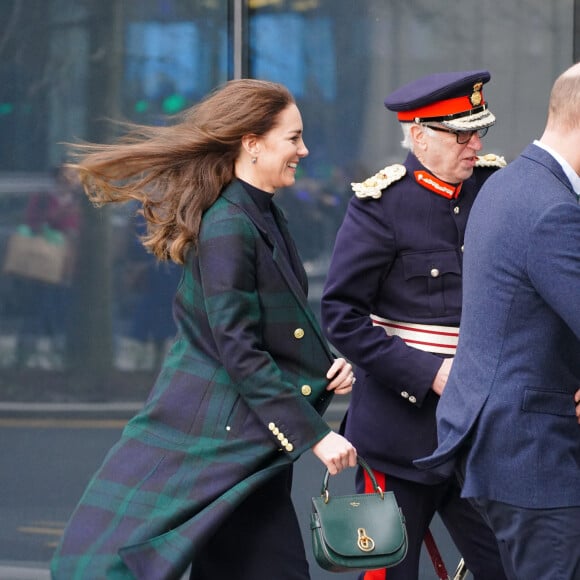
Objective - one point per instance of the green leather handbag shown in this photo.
(357, 532)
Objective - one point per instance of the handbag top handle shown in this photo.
(324, 493)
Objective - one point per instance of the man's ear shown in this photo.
(418, 134)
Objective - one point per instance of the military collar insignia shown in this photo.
(373, 186)
(476, 97)
(490, 160)
(436, 185)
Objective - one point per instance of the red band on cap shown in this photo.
(439, 109)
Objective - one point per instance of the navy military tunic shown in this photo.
(398, 255)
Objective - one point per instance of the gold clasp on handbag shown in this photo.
(365, 543)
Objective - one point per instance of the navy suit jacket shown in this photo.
(509, 400)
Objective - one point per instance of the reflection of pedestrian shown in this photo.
(300, 205)
(151, 286)
(46, 306)
(508, 417)
(240, 393)
(392, 304)
(315, 209)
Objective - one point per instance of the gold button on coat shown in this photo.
(299, 333)
(456, 210)
(434, 273)
(306, 390)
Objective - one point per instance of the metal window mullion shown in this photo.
(239, 38)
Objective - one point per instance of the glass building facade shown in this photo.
(68, 68)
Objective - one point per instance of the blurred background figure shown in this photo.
(147, 290)
(46, 304)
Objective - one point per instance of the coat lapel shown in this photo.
(237, 195)
(298, 284)
(296, 261)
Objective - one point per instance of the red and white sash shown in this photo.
(427, 337)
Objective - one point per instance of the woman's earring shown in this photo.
(254, 159)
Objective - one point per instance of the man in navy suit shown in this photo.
(392, 304)
(508, 418)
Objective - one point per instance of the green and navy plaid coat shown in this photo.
(239, 396)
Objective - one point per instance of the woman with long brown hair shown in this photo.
(241, 392)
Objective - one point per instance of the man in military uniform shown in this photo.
(392, 305)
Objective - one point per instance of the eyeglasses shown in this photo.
(462, 137)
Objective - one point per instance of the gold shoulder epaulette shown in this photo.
(490, 160)
(373, 186)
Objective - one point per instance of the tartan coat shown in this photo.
(239, 396)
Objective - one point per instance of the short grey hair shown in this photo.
(407, 142)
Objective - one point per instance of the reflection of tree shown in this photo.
(10, 22)
(29, 28)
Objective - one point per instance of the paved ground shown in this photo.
(23, 571)
(39, 432)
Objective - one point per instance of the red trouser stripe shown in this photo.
(382, 483)
(429, 540)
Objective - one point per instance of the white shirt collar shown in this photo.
(566, 167)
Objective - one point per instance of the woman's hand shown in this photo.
(336, 452)
(577, 401)
(341, 377)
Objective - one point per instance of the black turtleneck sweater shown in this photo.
(265, 203)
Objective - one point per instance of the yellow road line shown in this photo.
(64, 423)
(42, 531)
(78, 423)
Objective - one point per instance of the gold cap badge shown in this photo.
(476, 97)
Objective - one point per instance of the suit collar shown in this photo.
(541, 156)
(572, 176)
